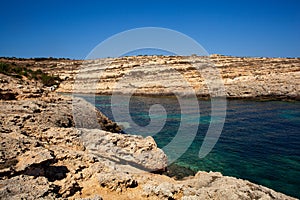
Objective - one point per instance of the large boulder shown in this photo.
(134, 150)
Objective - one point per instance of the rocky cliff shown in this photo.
(242, 77)
(266, 78)
(43, 155)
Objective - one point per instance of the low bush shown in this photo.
(4, 68)
(19, 72)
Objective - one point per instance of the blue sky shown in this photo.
(73, 28)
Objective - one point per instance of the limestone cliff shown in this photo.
(243, 77)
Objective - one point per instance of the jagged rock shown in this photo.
(69, 188)
(117, 181)
(55, 114)
(13, 88)
(7, 95)
(10, 148)
(35, 156)
(164, 190)
(213, 185)
(27, 187)
(87, 116)
(96, 197)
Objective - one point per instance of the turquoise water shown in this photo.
(260, 141)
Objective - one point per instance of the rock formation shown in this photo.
(46, 154)
(243, 77)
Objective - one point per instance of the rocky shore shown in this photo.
(43, 155)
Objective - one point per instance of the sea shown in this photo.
(259, 142)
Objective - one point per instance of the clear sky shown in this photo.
(72, 29)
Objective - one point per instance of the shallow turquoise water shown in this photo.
(260, 141)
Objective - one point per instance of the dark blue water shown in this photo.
(260, 141)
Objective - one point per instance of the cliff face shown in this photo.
(243, 77)
(44, 156)
(271, 78)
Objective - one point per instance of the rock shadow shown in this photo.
(52, 173)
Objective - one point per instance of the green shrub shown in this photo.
(19, 72)
(39, 71)
(4, 68)
(25, 73)
(50, 80)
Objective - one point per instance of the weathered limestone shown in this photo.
(125, 149)
(46, 154)
(260, 78)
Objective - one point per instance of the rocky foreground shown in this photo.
(43, 155)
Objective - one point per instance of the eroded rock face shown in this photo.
(13, 88)
(243, 77)
(36, 156)
(118, 181)
(260, 78)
